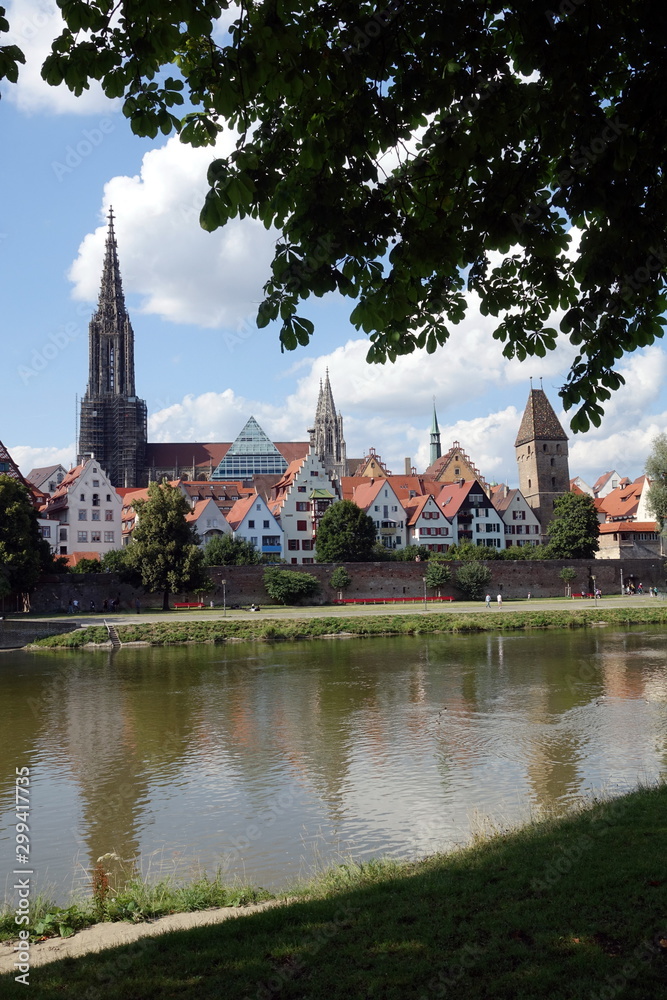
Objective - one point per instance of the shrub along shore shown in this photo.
(317, 627)
(560, 908)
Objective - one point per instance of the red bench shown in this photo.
(191, 604)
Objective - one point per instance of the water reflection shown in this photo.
(258, 758)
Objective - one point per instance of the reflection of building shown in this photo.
(113, 418)
(541, 454)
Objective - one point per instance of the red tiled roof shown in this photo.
(452, 495)
(623, 501)
(74, 558)
(414, 507)
(239, 510)
(609, 527)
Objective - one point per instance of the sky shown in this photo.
(201, 364)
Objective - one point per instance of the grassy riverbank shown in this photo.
(313, 627)
(564, 909)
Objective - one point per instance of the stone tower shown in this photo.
(436, 451)
(327, 436)
(541, 455)
(113, 418)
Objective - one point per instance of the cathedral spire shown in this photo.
(328, 440)
(435, 438)
(111, 304)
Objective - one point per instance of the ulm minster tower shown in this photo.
(113, 419)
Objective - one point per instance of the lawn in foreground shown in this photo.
(569, 909)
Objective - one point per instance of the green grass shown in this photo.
(565, 909)
(276, 629)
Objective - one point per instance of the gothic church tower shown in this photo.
(327, 437)
(541, 455)
(113, 418)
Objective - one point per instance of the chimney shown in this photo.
(408, 466)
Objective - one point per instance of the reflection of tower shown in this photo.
(113, 419)
(328, 440)
(541, 455)
(436, 452)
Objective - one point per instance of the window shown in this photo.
(271, 541)
(108, 498)
(83, 515)
(300, 505)
(46, 532)
(544, 447)
(96, 536)
(529, 484)
(82, 496)
(293, 544)
(253, 540)
(266, 524)
(301, 489)
(62, 535)
(108, 536)
(52, 487)
(95, 516)
(553, 461)
(457, 472)
(307, 545)
(314, 472)
(96, 499)
(302, 526)
(108, 515)
(258, 506)
(518, 515)
(553, 480)
(96, 482)
(309, 561)
(251, 524)
(82, 536)
(376, 508)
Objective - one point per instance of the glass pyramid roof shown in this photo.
(253, 453)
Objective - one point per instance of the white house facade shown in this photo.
(86, 512)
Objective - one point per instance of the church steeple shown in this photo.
(328, 440)
(113, 419)
(435, 438)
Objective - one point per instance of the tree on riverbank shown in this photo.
(164, 549)
(656, 470)
(23, 551)
(573, 532)
(472, 579)
(289, 586)
(408, 160)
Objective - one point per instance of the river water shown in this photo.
(268, 760)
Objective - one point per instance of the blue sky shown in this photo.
(201, 364)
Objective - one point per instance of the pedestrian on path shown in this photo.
(488, 601)
(499, 598)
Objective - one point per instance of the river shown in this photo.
(267, 760)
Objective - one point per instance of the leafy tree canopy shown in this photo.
(340, 579)
(87, 566)
(656, 470)
(345, 534)
(224, 550)
(573, 532)
(472, 579)
(164, 549)
(289, 586)
(408, 155)
(437, 574)
(23, 552)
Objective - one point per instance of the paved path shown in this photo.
(363, 610)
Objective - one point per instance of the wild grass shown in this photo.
(276, 630)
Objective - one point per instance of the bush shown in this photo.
(472, 579)
(87, 566)
(287, 586)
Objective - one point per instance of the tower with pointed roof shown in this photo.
(542, 457)
(113, 418)
(435, 439)
(327, 438)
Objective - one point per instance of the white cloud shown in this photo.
(28, 458)
(34, 24)
(182, 273)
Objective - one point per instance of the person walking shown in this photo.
(488, 601)
(499, 599)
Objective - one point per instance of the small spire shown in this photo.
(111, 301)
